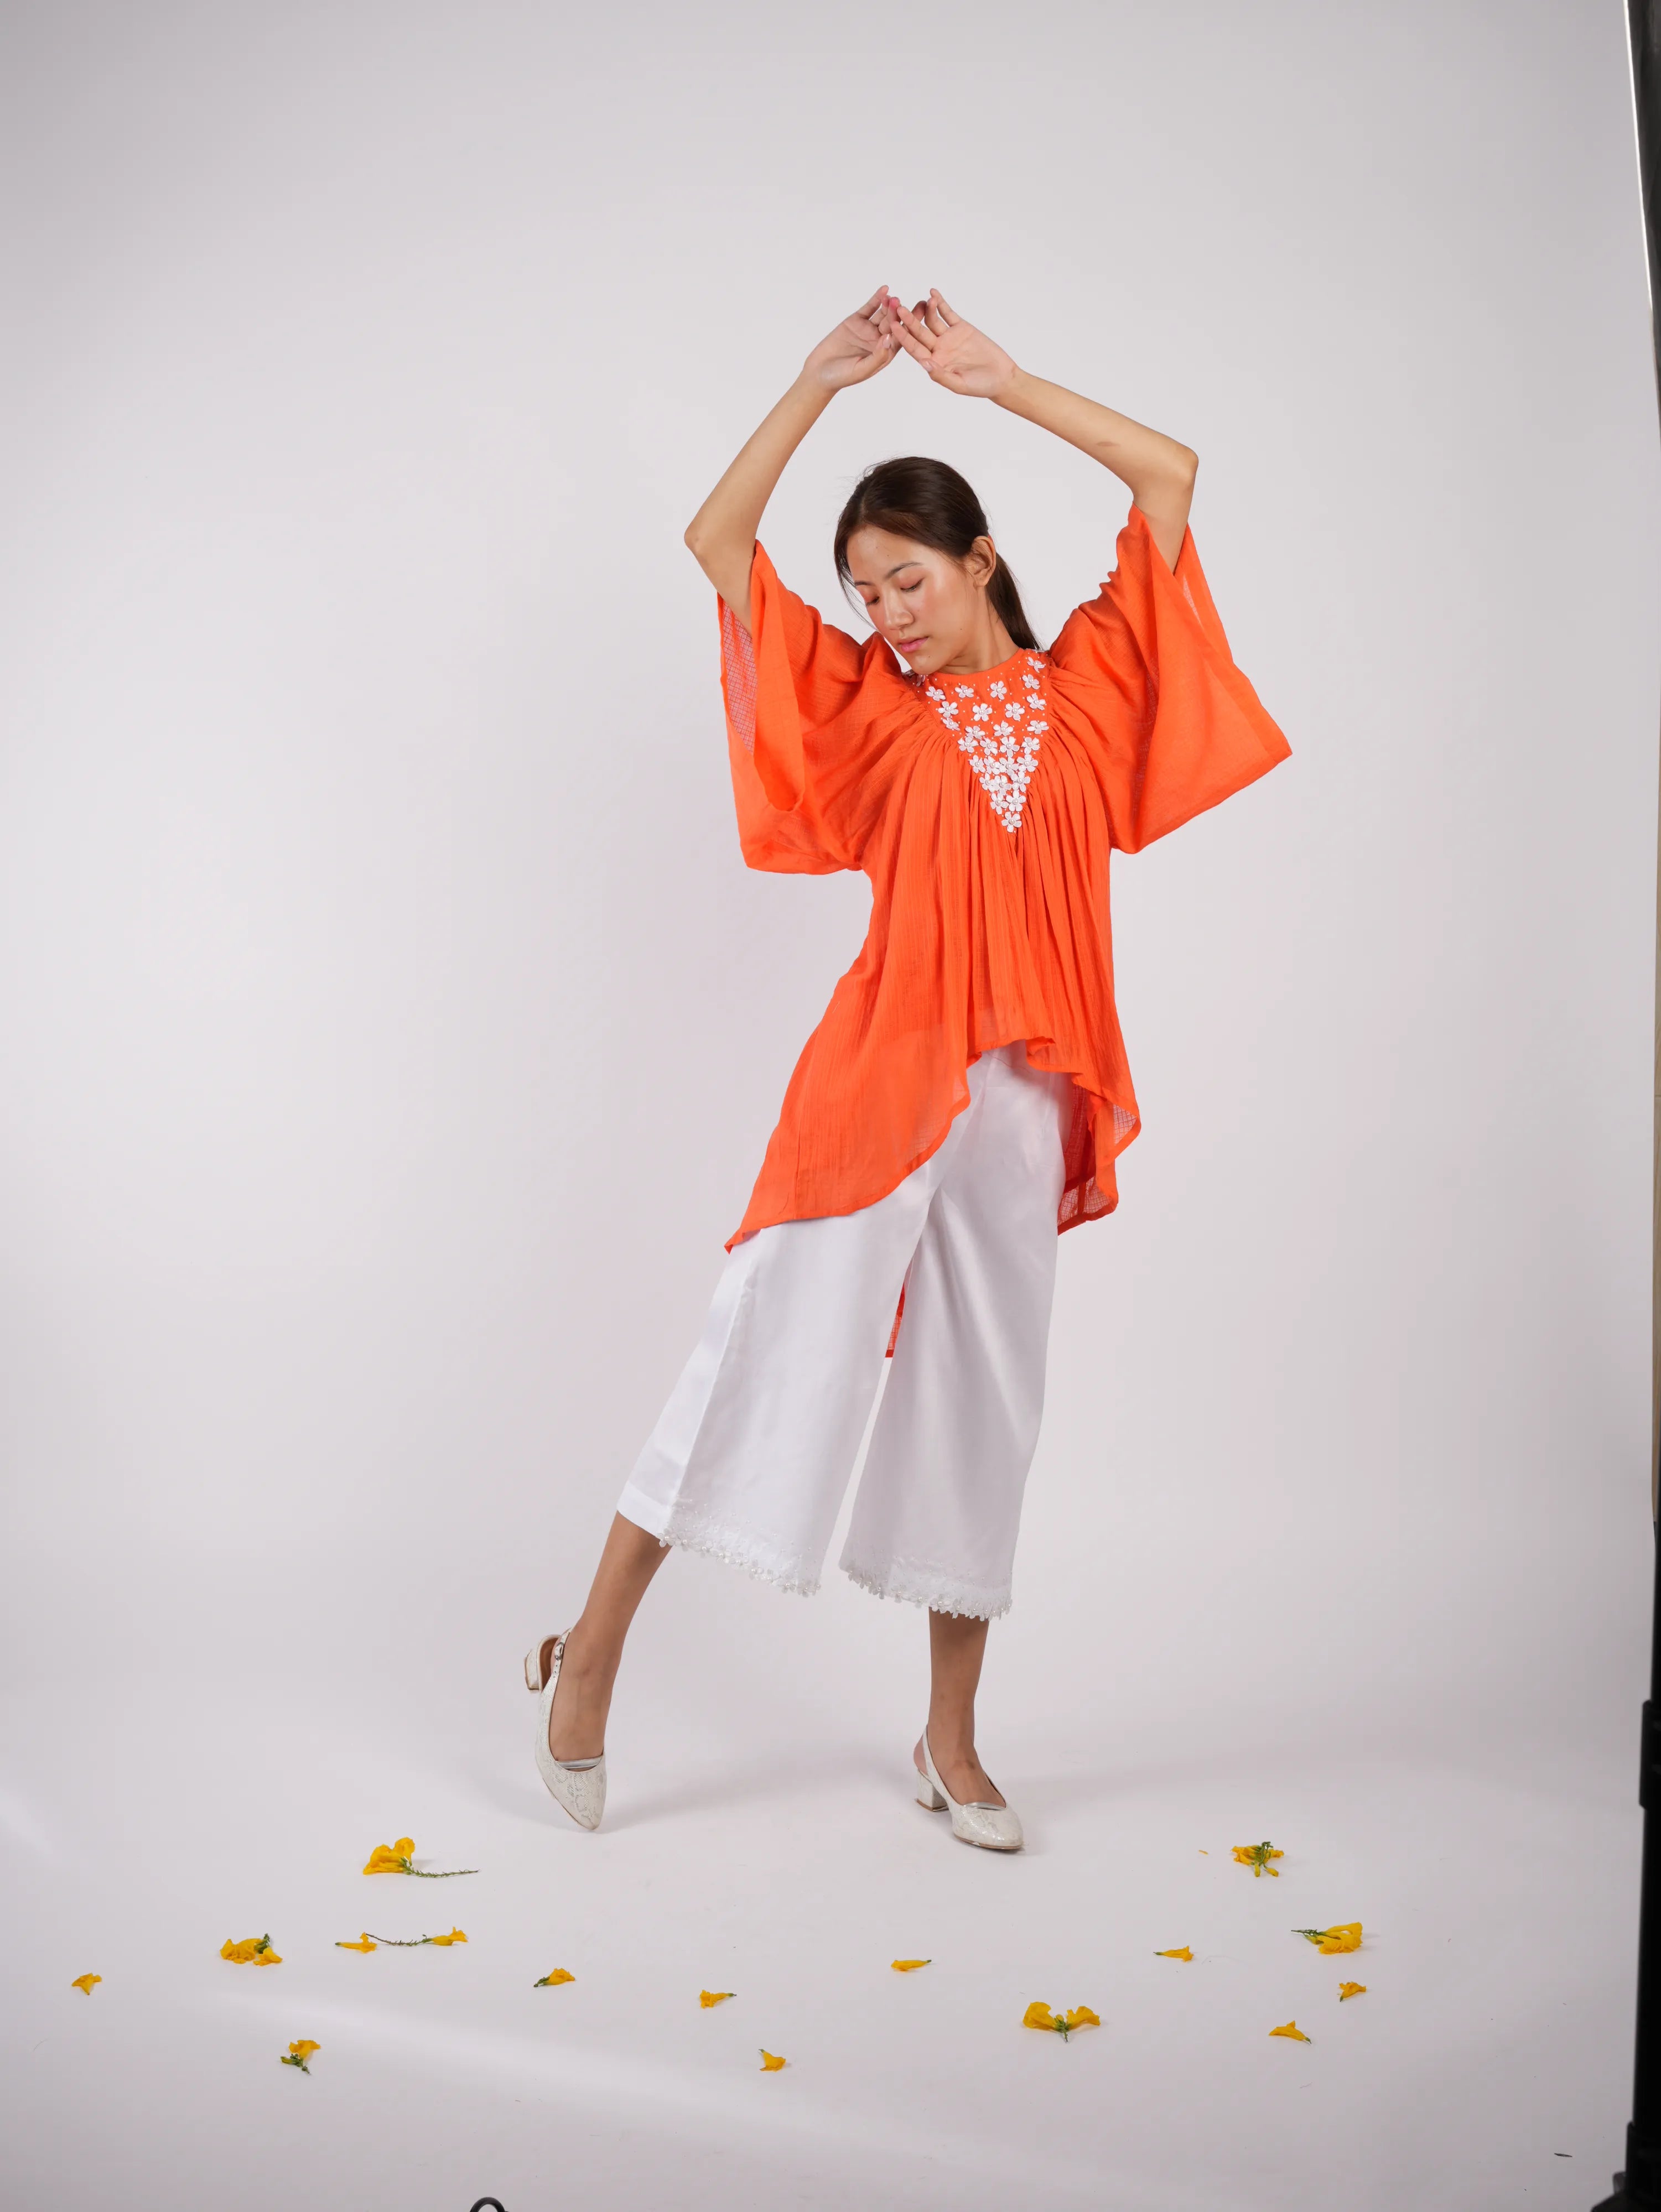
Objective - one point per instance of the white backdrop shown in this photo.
(393, 1031)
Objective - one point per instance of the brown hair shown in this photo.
(928, 501)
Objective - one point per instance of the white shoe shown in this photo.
(576, 1785)
(992, 1827)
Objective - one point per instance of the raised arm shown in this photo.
(721, 535)
(1157, 470)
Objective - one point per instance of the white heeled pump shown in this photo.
(989, 1827)
(577, 1785)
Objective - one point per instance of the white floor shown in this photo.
(1485, 2067)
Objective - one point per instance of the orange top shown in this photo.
(984, 809)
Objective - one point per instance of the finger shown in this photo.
(948, 315)
(917, 352)
(932, 315)
(910, 320)
(872, 304)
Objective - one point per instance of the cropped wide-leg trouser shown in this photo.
(752, 1455)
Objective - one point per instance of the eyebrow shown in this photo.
(887, 572)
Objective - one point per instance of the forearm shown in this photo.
(721, 535)
(1158, 471)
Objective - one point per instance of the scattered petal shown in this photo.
(1294, 2030)
(1257, 1858)
(84, 1981)
(1331, 1941)
(253, 1949)
(909, 1966)
(399, 1858)
(300, 2052)
(1184, 1954)
(552, 1981)
(363, 1943)
(444, 1942)
(1039, 2015)
(770, 2062)
(710, 1997)
(1351, 1990)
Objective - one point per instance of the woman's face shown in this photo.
(933, 610)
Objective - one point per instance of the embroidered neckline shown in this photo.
(1001, 735)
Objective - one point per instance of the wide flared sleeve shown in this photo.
(1173, 725)
(809, 713)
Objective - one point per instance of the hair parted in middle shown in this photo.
(927, 501)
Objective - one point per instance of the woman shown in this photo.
(967, 1092)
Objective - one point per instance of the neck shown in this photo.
(989, 645)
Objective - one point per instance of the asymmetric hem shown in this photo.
(983, 810)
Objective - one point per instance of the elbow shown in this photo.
(693, 539)
(1187, 467)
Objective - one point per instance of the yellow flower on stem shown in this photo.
(552, 1981)
(1351, 1990)
(363, 1943)
(1063, 2023)
(252, 1950)
(708, 1998)
(410, 1942)
(1257, 1858)
(300, 2052)
(909, 1966)
(770, 2062)
(1184, 1954)
(84, 1981)
(1329, 1941)
(1293, 2031)
(399, 1858)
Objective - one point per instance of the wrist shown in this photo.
(811, 391)
(1013, 389)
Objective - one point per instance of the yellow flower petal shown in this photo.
(84, 1981)
(770, 2062)
(255, 1950)
(909, 1966)
(365, 1943)
(1038, 2015)
(1294, 2030)
(1257, 1858)
(708, 1997)
(1082, 2016)
(552, 1981)
(391, 1858)
(1184, 1953)
(1351, 1990)
(1332, 1940)
(455, 1935)
(304, 2048)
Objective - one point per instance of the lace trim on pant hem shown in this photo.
(925, 1586)
(692, 1533)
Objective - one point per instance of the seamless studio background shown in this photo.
(392, 1034)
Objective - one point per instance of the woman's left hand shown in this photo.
(957, 356)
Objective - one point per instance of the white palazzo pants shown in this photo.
(752, 1454)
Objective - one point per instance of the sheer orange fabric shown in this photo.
(983, 810)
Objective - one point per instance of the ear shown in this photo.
(980, 562)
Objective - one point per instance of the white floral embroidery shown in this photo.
(1004, 757)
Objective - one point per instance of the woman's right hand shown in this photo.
(860, 345)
